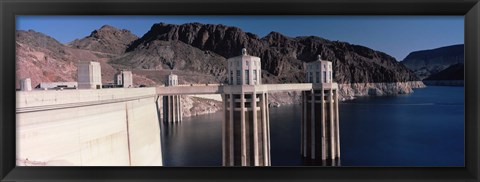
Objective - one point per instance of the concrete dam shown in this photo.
(91, 126)
(114, 127)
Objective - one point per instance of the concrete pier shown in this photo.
(245, 130)
(89, 75)
(172, 107)
(26, 84)
(320, 122)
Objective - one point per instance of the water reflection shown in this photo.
(327, 162)
(171, 130)
(196, 141)
(375, 131)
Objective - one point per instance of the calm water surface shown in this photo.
(425, 128)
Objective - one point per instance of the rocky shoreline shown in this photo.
(350, 91)
(193, 106)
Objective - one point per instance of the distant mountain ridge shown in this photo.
(453, 72)
(451, 76)
(428, 62)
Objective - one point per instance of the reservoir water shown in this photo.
(425, 128)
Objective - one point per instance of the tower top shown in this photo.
(319, 71)
(244, 69)
(88, 62)
(244, 51)
(319, 58)
(172, 79)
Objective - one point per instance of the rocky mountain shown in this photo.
(191, 64)
(282, 56)
(44, 59)
(107, 39)
(428, 62)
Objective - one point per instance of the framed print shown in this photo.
(239, 90)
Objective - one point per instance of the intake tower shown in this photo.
(245, 130)
(320, 123)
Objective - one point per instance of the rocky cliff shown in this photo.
(428, 62)
(282, 56)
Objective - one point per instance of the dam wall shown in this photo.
(105, 127)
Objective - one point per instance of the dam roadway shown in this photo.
(220, 89)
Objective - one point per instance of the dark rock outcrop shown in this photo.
(107, 39)
(282, 56)
(428, 62)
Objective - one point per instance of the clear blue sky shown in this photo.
(394, 35)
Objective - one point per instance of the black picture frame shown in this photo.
(11, 8)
